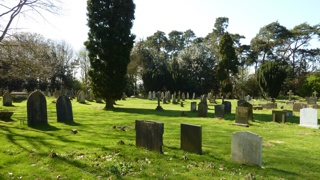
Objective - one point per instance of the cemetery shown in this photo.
(134, 140)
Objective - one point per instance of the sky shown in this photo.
(246, 17)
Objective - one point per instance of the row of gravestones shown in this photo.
(246, 147)
(166, 96)
(308, 117)
(37, 109)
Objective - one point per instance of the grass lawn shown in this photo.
(54, 152)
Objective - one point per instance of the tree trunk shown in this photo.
(109, 103)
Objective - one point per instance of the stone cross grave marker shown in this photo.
(246, 148)
(37, 109)
(149, 135)
(7, 99)
(309, 118)
(290, 93)
(242, 116)
(279, 116)
(191, 138)
(219, 110)
(159, 107)
(64, 109)
(315, 94)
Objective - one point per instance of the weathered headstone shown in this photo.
(250, 110)
(153, 95)
(37, 109)
(150, 95)
(219, 111)
(191, 138)
(82, 97)
(159, 107)
(194, 96)
(297, 106)
(290, 93)
(194, 106)
(227, 107)
(246, 148)
(183, 97)
(19, 96)
(279, 116)
(309, 118)
(312, 100)
(149, 135)
(7, 99)
(187, 95)
(64, 109)
(242, 116)
(202, 109)
(90, 95)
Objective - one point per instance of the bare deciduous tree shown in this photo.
(10, 10)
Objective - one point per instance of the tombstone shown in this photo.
(242, 116)
(309, 118)
(227, 107)
(124, 96)
(250, 110)
(90, 95)
(162, 95)
(290, 93)
(187, 95)
(202, 109)
(64, 109)
(297, 106)
(248, 98)
(312, 100)
(183, 97)
(289, 113)
(279, 116)
(19, 96)
(246, 148)
(37, 109)
(149, 135)
(82, 97)
(315, 94)
(269, 105)
(150, 95)
(194, 96)
(6, 115)
(193, 106)
(179, 96)
(153, 95)
(191, 138)
(159, 107)
(7, 99)
(219, 110)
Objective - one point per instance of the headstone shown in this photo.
(191, 138)
(37, 109)
(90, 95)
(6, 115)
(179, 96)
(227, 107)
(150, 95)
(19, 96)
(297, 106)
(219, 111)
(246, 148)
(187, 95)
(183, 97)
(149, 135)
(248, 98)
(312, 100)
(7, 99)
(162, 95)
(290, 93)
(250, 110)
(193, 106)
(289, 113)
(124, 96)
(309, 118)
(279, 116)
(202, 109)
(153, 95)
(82, 97)
(242, 116)
(64, 109)
(159, 107)
(194, 96)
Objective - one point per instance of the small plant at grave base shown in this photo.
(104, 145)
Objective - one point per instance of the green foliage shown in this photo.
(270, 77)
(109, 44)
(310, 84)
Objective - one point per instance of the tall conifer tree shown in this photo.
(109, 44)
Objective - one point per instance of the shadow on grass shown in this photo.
(169, 113)
(45, 127)
(71, 123)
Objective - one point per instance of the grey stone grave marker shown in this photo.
(227, 107)
(149, 135)
(150, 95)
(191, 138)
(64, 109)
(194, 106)
(297, 106)
(246, 148)
(309, 118)
(242, 116)
(250, 110)
(7, 99)
(279, 116)
(82, 97)
(37, 109)
(219, 111)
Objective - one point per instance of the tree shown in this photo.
(12, 9)
(109, 44)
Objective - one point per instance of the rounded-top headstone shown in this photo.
(37, 109)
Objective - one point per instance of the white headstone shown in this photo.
(309, 118)
(246, 148)
(150, 95)
(154, 95)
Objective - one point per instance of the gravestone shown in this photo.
(279, 116)
(202, 109)
(309, 118)
(290, 93)
(194, 96)
(7, 99)
(242, 116)
(250, 110)
(150, 95)
(297, 106)
(19, 96)
(6, 115)
(153, 95)
(82, 97)
(183, 97)
(227, 107)
(219, 111)
(194, 106)
(246, 148)
(191, 138)
(187, 95)
(37, 109)
(312, 100)
(90, 95)
(64, 109)
(149, 135)
(289, 113)
(159, 108)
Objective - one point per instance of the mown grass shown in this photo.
(289, 151)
